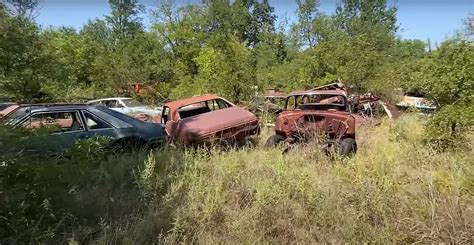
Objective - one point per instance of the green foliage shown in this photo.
(45, 195)
(21, 71)
(123, 20)
(446, 77)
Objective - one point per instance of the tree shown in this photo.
(21, 63)
(367, 36)
(307, 14)
(356, 16)
(469, 22)
(124, 20)
(262, 20)
(447, 78)
(27, 9)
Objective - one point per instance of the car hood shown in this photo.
(144, 109)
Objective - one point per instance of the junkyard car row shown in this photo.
(324, 113)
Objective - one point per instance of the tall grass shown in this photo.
(396, 189)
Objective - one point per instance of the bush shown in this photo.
(449, 127)
(47, 198)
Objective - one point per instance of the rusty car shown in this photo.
(208, 119)
(271, 101)
(265, 105)
(366, 108)
(316, 113)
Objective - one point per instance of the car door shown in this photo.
(64, 127)
(96, 126)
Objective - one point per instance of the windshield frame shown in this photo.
(297, 96)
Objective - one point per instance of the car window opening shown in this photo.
(94, 122)
(202, 108)
(57, 121)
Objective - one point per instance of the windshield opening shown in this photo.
(202, 107)
(315, 101)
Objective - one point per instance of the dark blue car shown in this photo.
(71, 122)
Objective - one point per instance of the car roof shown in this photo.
(111, 98)
(314, 92)
(180, 103)
(34, 108)
(56, 106)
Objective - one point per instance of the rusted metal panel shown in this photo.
(290, 123)
(230, 124)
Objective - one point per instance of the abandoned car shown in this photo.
(126, 106)
(321, 114)
(271, 101)
(71, 122)
(208, 119)
(366, 108)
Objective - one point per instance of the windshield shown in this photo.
(132, 103)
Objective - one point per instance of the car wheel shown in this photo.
(274, 140)
(348, 147)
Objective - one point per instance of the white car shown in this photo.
(127, 106)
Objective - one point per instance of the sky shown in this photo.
(418, 19)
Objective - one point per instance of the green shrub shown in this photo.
(449, 126)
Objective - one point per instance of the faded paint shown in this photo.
(230, 125)
(332, 123)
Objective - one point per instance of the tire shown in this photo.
(274, 140)
(348, 147)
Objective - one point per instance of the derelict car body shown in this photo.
(68, 123)
(208, 119)
(314, 113)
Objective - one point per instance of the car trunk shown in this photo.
(197, 127)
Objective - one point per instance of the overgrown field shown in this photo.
(396, 189)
